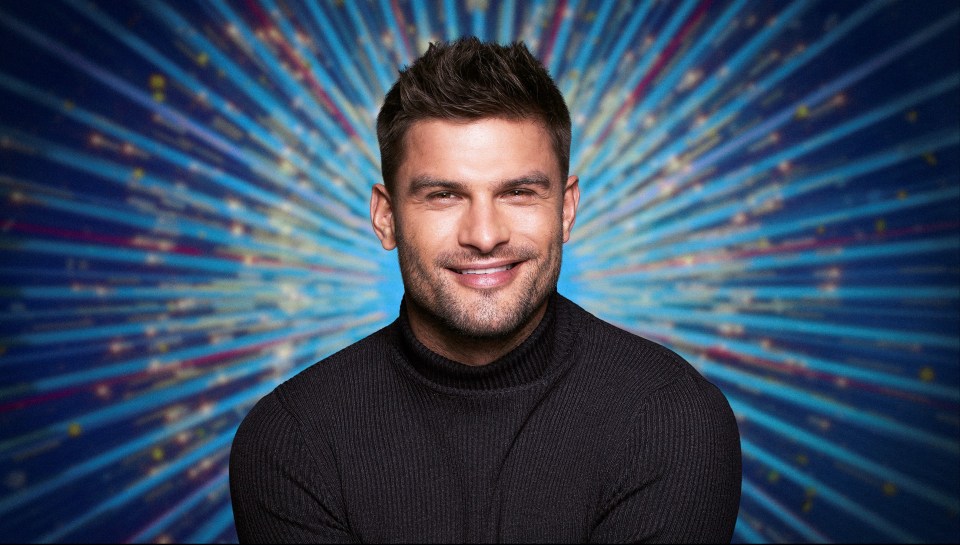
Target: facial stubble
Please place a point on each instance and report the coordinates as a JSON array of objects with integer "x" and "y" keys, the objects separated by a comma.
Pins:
[{"x": 489, "y": 316}]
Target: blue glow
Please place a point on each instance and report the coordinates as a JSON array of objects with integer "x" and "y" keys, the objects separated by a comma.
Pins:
[{"x": 771, "y": 189}]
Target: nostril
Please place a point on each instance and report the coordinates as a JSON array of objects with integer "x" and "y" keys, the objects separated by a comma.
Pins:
[{"x": 483, "y": 229}]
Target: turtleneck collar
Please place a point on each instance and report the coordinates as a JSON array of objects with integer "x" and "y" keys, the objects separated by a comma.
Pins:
[{"x": 529, "y": 361}]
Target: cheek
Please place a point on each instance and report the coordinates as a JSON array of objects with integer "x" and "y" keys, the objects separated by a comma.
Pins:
[
  {"x": 427, "y": 233},
  {"x": 541, "y": 225},
  {"x": 440, "y": 228}
]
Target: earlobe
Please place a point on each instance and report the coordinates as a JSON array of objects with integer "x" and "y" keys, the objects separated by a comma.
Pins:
[
  {"x": 571, "y": 200},
  {"x": 381, "y": 216}
]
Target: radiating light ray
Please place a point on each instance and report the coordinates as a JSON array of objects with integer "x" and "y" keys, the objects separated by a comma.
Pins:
[
  {"x": 361, "y": 87},
  {"x": 564, "y": 26},
  {"x": 218, "y": 444},
  {"x": 775, "y": 324},
  {"x": 744, "y": 533},
  {"x": 337, "y": 129},
  {"x": 735, "y": 180},
  {"x": 276, "y": 108},
  {"x": 370, "y": 51},
  {"x": 662, "y": 90},
  {"x": 422, "y": 27},
  {"x": 578, "y": 67},
  {"x": 801, "y": 398},
  {"x": 245, "y": 398},
  {"x": 450, "y": 20},
  {"x": 810, "y": 534},
  {"x": 213, "y": 527},
  {"x": 783, "y": 116},
  {"x": 219, "y": 482},
  {"x": 753, "y": 294},
  {"x": 191, "y": 82},
  {"x": 123, "y": 176},
  {"x": 505, "y": 28},
  {"x": 945, "y": 500},
  {"x": 829, "y": 494},
  {"x": 725, "y": 210},
  {"x": 769, "y": 189},
  {"x": 320, "y": 81},
  {"x": 733, "y": 65},
  {"x": 153, "y": 363},
  {"x": 736, "y": 65},
  {"x": 116, "y": 455},
  {"x": 655, "y": 56},
  {"x": 310, "y": 256},
  {"x": 802, "y": 364},
  {"x": 271, "y": 104},
  {"x": 720, "y": 266},
  {"x": 175, "y": 118},
  {"x": 603, "y": 80}
]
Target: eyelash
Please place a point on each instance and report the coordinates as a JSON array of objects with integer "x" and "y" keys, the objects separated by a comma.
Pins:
[
  {"x": 442, "y": 195},
  {"x": 447, "y": 195}
]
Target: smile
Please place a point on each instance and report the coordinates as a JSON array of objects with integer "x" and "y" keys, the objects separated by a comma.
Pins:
[{"x": 487, "y": 271}]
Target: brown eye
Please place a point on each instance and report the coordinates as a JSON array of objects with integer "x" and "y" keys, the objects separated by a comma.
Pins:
[{"x": 519, "y": 193}]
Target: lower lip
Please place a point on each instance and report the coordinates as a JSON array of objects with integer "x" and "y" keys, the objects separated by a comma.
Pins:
[{"x": 487, "y": 281}]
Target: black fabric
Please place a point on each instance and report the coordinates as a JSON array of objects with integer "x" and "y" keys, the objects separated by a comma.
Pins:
[{"x": 584, "y": 433}]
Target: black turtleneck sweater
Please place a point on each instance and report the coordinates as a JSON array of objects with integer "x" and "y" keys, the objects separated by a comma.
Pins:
[{"x": 583, "y": 433}]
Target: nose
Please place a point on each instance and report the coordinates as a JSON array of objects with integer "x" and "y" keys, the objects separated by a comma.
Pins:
[{"x": 483, "y": 227}]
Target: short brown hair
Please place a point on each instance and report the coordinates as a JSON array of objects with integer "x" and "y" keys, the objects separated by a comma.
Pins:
[{"x": 469, "y": 80}]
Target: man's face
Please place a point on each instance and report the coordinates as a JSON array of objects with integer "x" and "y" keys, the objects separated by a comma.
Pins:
[{"x": 479, "y": 215}]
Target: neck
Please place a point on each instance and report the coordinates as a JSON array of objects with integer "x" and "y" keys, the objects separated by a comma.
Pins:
[{"x": 466, "y": 349}]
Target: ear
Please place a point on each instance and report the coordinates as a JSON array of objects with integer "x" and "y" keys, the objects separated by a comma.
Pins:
[
  {"x": 381, "y": 216},
  {"x": 571, "y": 200}
]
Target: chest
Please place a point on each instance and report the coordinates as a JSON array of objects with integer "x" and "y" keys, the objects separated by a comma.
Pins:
[{"x": 515, "y": 470}]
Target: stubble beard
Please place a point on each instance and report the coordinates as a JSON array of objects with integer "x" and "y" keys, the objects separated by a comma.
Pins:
[{"x": 489, "y": 314}]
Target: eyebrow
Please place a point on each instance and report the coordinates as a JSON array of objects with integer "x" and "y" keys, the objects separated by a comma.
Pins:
[
  {"x": 424, "y": 182},
  {"x": 421, "y": 183}
]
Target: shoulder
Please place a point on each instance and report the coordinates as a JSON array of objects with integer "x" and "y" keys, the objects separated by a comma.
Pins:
[
  {"x": 323, "y": 387},
  {"x": 341, "y": 374},
  {"x": 637, "y": 374},
  {"x": 641, "y": 365},
  {"x": 669, "y": 437}
]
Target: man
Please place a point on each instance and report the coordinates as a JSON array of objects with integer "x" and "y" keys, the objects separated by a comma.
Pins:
[{"x": 493, "y": 409}]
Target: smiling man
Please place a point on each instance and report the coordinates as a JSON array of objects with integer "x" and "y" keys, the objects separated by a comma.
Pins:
[
  {"x": 493, "y": 409},
  {"x": 479, "y": 216}
]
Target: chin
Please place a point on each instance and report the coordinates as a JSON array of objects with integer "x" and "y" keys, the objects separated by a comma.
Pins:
[
  {"x": 489, "y": 318},
  {"x": 488, "y": 331}
]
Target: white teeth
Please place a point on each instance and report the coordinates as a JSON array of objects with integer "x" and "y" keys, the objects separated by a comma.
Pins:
[{"x": 487, "y": 271}]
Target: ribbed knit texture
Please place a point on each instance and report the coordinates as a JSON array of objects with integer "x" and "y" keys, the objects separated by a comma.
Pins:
[{"x": 583, "y": 433}]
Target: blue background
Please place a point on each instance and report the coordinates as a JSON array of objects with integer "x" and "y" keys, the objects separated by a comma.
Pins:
[{"x": 769, "y": 188}]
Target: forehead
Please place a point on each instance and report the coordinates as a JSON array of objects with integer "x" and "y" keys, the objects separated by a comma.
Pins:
[{"x": 482, "y": 150}]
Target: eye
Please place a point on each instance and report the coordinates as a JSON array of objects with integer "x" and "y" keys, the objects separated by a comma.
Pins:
[
  {"x": 519, "y": 193},
  {"x": 441, "y": 196}
]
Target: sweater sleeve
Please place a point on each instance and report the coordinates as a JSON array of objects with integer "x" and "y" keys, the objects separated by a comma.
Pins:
[
  {"x": 679, "y": 470},
  {"x": 276, "y": 482}
]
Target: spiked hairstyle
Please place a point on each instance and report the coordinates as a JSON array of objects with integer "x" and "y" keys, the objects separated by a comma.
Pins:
[{"x": 467, "y": 80}]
